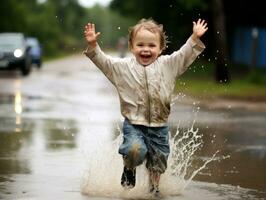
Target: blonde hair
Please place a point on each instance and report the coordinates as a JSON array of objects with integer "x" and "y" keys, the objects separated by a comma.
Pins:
[{"x": 150, "y": 25}]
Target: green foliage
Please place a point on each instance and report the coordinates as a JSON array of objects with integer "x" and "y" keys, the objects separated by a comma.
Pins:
[
  {"x": 175, "y": 15},
  {"x": 111, "y": 25},
  {"x": 192, "y": 4},
  {"x": 12, "y": 15},
  {"x": 57, "y": 24}
]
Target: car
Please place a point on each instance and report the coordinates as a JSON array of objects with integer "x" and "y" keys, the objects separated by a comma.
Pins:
[
  {"x": 14, "y": 52},
  {"x": 35, "y": 51}
]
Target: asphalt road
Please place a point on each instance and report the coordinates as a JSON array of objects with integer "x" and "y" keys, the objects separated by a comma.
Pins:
[{"x": 60, "y": 130}]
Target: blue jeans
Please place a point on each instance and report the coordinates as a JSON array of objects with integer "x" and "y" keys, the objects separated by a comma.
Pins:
[{"x": 152, "y": 144}]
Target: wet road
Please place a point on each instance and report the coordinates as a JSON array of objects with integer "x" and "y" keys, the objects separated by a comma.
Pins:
[{"x": 59, "y": 132}]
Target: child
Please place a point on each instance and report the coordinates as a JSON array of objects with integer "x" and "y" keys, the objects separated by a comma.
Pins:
[{"x": 144, "y": 84}]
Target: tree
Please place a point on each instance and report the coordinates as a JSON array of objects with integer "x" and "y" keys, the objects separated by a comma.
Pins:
[
  {"x": 108, "y": 21},
  {"x": 176, "y": 16},
  {"x": 57, "y": 24},
  {"x": 221, "y": 72},
  {"x": 10, "y": 12}
]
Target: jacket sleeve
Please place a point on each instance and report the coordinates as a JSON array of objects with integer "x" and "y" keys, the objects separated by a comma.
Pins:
[
  {"x": 104, "y": 62},
  {"x": 180, "y": 60}
]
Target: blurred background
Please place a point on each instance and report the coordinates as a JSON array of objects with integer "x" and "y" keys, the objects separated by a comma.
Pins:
[
  {"x": 60, "y": 107},
  {"x": 236, "y": 39}
]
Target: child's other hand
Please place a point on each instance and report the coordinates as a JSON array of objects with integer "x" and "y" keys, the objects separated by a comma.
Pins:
[
  {"x": 90, "y": 35},
  {"x": 199, "y": 28}
]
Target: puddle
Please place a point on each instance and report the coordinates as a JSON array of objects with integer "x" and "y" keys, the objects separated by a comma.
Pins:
[{"x": 60, "y": 123}]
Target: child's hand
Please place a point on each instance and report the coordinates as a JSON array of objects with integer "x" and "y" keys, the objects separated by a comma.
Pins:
[
  {"x": 199, "y": 28},
  {"x": 90, "y": 35}
]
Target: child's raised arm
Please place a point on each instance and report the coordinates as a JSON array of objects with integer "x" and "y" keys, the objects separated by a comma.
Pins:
[
  {"x": 180, "y": 60},
  {"x": 90, "y": 35},
  {"x": 199, "y": 28}
]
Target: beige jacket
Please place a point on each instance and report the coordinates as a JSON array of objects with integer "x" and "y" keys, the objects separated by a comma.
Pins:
[{"x": 145, "y": 92}]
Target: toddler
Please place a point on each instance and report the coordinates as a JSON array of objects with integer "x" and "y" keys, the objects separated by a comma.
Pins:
[{"x": 144, "y": 83}]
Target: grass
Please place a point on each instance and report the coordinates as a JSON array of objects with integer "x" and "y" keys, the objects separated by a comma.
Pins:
[
  {"x": 59, "y": 55},
  {"x": 245, "y": 84}
]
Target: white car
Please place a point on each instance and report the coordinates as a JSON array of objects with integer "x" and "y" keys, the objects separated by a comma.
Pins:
[{"x": 14, "y": 52}]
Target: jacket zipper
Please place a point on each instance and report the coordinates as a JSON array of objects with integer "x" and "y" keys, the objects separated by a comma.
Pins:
[{"x": 148, "y": 95}]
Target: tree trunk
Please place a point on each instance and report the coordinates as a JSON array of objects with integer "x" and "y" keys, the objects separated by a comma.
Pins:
[{"x": 221, "y": 55}]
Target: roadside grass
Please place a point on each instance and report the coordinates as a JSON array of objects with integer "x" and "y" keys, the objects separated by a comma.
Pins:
[
  {"x": 60, "y": 55},
  {"x": 245, "y": 84}
]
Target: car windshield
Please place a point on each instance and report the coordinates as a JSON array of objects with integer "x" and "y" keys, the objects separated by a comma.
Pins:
[{"x": 10, "y": 41}]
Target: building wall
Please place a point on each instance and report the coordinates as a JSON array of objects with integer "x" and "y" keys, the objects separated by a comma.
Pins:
[{"x": 249, "y": 47}]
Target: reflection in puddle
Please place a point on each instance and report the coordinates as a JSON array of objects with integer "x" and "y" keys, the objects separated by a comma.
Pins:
[
  {"x": 18, "y": 110},
  {"x": 246, "y": 165},
  {"x": 38, "y": 143},
  {"x": 16, "y": 146},
  {"x": 17, "y": 99},
  {"x": 18, "y": 103},
  {"x": 12, "y": 141},
  {"x": 60, "y": 135}
]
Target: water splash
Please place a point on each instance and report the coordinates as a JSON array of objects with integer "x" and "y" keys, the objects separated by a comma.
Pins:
[
  {"x": 105, "y": 166},
  {"x": 184, "y": 146}
]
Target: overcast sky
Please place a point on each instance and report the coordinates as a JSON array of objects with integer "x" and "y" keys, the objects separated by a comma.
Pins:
[{"x": 90, "y": 3}]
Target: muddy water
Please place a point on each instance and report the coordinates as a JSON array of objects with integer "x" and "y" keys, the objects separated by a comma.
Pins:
[{"x": 59, "y": 133}]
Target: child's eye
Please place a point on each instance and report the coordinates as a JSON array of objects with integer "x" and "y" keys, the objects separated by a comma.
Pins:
[
  {"x": 140, "y": 45},
  {"x": 152, "y": 45}
]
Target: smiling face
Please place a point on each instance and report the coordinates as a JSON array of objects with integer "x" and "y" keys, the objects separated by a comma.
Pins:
[{"x": 146, "y": 46}]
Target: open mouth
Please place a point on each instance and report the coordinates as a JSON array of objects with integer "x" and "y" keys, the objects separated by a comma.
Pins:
[
  {"x": 145, "y": 56},
  {"x": 145, "y": 59}
]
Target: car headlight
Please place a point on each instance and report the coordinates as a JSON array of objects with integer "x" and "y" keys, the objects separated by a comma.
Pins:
[{"x": 18, "y": 53}]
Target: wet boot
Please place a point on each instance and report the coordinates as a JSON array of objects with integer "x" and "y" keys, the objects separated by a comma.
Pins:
[
  {"x": 154, "y": 189},
  {"x": 154, "y": 184},
  {"x": 128, "y": 179}
]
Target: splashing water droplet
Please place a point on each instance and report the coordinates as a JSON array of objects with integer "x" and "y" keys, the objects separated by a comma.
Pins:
[{"x": 107, "y": 164}]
